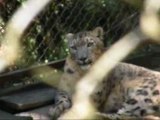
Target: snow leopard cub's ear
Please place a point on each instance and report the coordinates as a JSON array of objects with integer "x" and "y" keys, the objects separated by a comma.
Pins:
[
  {"x": 98, "y": 32},
  {"x": 69, "y": 36}
]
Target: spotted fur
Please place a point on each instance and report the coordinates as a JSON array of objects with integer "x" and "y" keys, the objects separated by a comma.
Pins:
[{"x": 129, "y": 90}]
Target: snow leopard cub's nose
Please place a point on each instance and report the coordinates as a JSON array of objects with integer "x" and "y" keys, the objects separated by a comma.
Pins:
[{"x": 83, "y": 59}]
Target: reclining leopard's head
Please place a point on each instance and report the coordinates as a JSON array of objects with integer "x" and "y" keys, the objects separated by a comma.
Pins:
[{"x": 85, "y": 47}]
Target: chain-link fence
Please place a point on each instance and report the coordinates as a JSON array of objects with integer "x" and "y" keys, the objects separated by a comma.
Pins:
[{"x": 44, "y": 40}]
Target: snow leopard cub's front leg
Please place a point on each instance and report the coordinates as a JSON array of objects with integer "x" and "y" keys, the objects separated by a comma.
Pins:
[{"x": 62, "y": 103}]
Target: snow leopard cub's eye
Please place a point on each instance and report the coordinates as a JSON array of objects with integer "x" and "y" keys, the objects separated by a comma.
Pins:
[
  {"x": 73, "y": 47},
  {"x": 90, "y": 44}
]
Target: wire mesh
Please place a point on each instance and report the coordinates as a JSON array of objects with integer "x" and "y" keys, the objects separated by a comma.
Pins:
[{"x": 44, "y": 39}]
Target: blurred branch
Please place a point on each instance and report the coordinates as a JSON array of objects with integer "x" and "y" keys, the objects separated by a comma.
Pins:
[
  {"x": 82, "y": 107},
  {"x": 15, "y": 28},
  {"x": 150, "y": 19}
]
